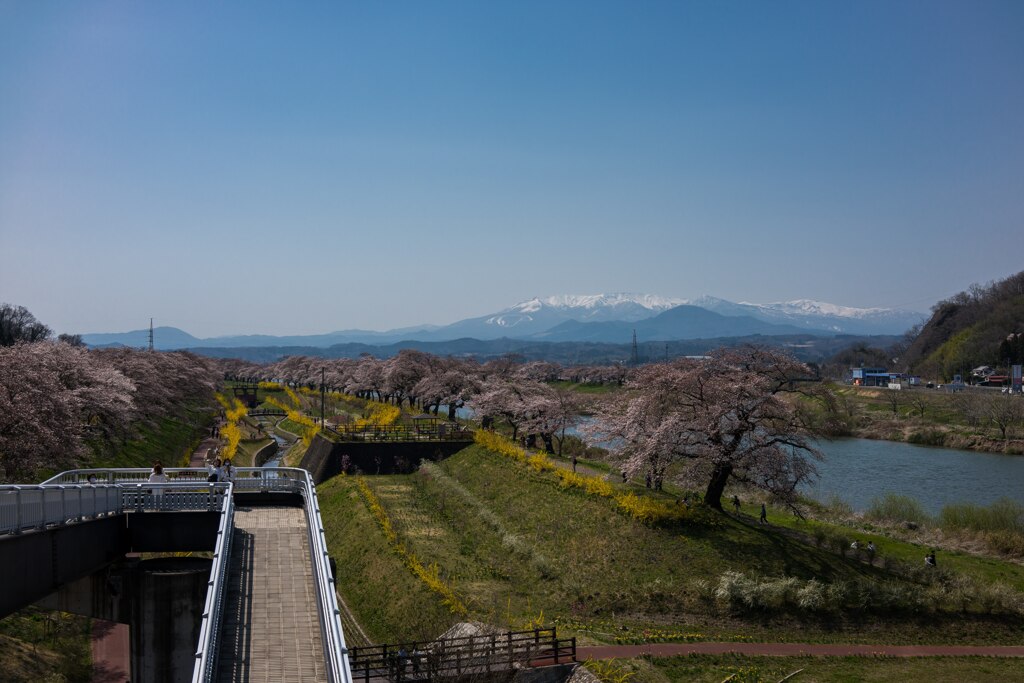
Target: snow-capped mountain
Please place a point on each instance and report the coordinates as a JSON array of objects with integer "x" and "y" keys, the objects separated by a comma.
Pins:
[
  {"x": 594, "y": 317},
  {"x": 818, "y": 315},
  {"x": 585, "y": 308}
]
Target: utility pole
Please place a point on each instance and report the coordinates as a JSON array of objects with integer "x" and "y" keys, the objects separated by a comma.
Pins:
[
  {"x": 323, "y": 390},
  {"x": 150, "y": 334}
]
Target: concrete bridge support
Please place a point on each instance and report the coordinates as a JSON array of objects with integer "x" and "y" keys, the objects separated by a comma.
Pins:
[{"x": 162, "y": 602}]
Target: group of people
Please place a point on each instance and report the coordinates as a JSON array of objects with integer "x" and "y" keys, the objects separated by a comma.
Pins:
[
  {"x": 870, "y": 547},
  {"x": 218, "y": 470}
]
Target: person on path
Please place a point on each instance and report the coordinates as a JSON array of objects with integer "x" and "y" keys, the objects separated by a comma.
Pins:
[
  {"x": 157, "y": 476},
  {"x": 764, "y": 514},
  {"x": 736, "y": 503},
  {"x": 228, "y": 472}
]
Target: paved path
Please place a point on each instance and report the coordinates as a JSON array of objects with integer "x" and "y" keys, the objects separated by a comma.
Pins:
[
  {"x": 111, "y": 654},
  {"x": 795, "y": 649},
  {"x": 271, "y": 630},
  {"x": 199, "y": 456}
]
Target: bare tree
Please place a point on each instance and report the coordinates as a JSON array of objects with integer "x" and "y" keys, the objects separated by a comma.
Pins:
[{"x": 17, "y": 324}]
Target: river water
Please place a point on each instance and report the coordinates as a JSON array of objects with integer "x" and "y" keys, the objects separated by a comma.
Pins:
[{"x": 858, "y": 470}]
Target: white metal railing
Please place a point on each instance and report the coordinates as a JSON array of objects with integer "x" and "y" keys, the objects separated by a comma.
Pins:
[
  {"x": 37, "y": 507},
  {"x": 213, "y": 609},
  {"x": 335, "y": 651},
  {"x": 188, "y": 490}
]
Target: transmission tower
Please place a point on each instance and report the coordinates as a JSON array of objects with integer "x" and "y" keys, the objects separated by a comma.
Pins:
[
  {"x": 636, "y": 353},
  {"x": 150, "y": 334}
]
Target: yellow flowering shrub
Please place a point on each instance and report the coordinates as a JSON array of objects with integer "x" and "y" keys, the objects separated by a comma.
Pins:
[
  {"x": 308, "y": 424},
  {"x": 270, "y": 386},
  {"x": 381, "y": 414},
  {"x": 234, "y": 411},
  {"x": 429, "y": 575},
  {"x": 641, "y": 508}
]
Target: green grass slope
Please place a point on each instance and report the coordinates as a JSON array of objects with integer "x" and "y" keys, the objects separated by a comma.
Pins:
[{"x": 519, "y": 550}]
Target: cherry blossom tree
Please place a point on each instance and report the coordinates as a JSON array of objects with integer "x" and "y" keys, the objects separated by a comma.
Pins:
[
  {"x": 52, "y": 397},
  {"x": 711, "y": 421},
  {"x": 451, "y": 383}
]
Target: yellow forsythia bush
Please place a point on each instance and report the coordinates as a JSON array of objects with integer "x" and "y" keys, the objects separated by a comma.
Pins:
[
  {"x": 309, "y": 425},
  {"x": 641, "y": 508},
  {"x": 429, "y": 575},
  {"x": 234, "y": 410},
  {"x": 381, "y": 414}
]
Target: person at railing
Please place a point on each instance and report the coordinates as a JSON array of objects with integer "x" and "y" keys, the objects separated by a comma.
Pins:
[
  {"x": 214, "y": 470},
  {"x": 157, "y": 476},
  {"x": 227, "y": 472}
]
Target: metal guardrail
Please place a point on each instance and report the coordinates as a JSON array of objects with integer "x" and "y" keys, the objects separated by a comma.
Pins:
[
  {"x": 400, "y": 432},
  {"x": 188, "y": 487},
  {"x": 23, "y": 508},
  {"x": 213, "y": 609},
  {"x": 332, "y": 634}
]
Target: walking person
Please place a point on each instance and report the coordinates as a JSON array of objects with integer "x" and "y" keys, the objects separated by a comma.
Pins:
[
  {"x": 764, "y": 514},
  {"x": 736, "y": 503}
]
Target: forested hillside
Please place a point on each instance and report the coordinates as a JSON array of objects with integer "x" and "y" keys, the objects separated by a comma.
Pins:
[{"x": 971, "y": 329}]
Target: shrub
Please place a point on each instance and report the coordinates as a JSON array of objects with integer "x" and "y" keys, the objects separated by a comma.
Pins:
[
  {"x": 927, "y": 437},
  {"x": 1004, "y": 515},
  {"x": 896, "y": 508}
]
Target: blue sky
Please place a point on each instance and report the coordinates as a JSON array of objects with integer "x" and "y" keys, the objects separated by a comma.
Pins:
[{"x": 257, "y": 167}]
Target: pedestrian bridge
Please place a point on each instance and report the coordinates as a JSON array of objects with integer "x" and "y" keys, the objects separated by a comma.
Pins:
[{"x": 270, "y": 611}]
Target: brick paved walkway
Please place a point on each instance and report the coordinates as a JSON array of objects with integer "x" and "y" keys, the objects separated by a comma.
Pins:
[{"x": 271, "y": 631}]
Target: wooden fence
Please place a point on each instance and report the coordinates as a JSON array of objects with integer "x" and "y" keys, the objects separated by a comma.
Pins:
[{"x": 420, "y": 662}]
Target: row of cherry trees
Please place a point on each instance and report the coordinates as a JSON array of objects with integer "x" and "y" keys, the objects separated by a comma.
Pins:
[
  {"x": 703, "y": 421},
  {"x": 519, "y": 393},
  {"x": 58, "y": 399}
]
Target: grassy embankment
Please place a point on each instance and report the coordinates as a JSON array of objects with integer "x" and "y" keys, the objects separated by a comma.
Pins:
[
  {"x": 38, "y": 645},
  {"x": 929, "y": 417},
  {"x": 517, "y": 549},
  {"x": 171, "y": 441},
  {"x": 740, "y": 669}
]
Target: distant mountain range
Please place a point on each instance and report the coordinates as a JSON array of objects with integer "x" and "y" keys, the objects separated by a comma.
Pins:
[{"x": 601, "y": 318}]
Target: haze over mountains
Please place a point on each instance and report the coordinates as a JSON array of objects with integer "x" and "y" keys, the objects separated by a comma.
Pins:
[{"x": 604, "y": 318}]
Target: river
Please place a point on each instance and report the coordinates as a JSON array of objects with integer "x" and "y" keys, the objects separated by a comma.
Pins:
[{"x": 858, "y": 470}]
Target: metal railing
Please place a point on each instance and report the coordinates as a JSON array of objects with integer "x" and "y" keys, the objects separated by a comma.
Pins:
[
  {"x": 400, "y": 432},
  {"x": 210, "y": 628},
  {"x": 37, "y": 507},
  {"x": 459, "y": 656},
  {"x": 187, "y": 489}
]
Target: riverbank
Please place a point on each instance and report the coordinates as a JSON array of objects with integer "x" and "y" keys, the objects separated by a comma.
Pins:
[
  {"x": 924, "y": 433},
  {"x": 979, "y": 420}
]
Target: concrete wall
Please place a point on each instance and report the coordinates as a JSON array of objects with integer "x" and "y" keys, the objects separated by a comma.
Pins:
[
  {"x": 324, "y": 458},
  {"x": 36, "y": 563}
]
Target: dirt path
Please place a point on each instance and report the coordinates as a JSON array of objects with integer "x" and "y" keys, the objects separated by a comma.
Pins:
[{"x": 796, "y": 649}]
